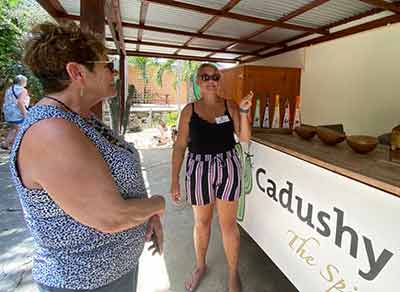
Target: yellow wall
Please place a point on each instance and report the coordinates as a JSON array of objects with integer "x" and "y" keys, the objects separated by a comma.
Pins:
[{"x": 353, "y": 80}]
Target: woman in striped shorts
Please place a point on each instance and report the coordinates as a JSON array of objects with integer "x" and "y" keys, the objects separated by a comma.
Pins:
[{"x": 212, "y": 179}]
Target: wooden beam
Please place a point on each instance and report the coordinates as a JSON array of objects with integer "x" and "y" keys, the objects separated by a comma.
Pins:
[
  {"x": 113, "y": 16},
  {"x": 384, "y": 5},
  {"x": 175, "y": 57},
  {"x": 287, "y": 17},
  {"x": 213, "y": 20},
  {"x": 54, "y": 8},
  {"x": 122, "y": 89},
  {"x": 181, "y": 32},
  {"x": 179, "y": 47},
  {"x": 144, "y": 6},
  {"x": 343, "y": 33},
  {"x": 118, "y": 18},
  {"x": 191, "y": 34},
  {"x": 246, "y": 18},
  {"x": 92, "y": 20}
]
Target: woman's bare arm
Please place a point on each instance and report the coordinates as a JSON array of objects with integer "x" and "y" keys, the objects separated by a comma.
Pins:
[
  {"x": 21, "y": 102},
  {"x": 179, "y": 149},
  {"x": 58, "y": 157}
]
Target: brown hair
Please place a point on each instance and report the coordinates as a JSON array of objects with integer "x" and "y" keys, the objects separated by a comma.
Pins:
[
  {"x": 205, "y": 65},
  {"x": 51, "y": 46}
]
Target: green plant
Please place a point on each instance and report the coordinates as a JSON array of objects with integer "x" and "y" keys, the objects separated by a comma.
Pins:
[
  {"x": 171, "y": 119},
  {"x": 16, "y": 19}
]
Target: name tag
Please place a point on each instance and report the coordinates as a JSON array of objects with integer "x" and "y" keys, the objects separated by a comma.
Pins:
[{"x": 222, "y": 119}]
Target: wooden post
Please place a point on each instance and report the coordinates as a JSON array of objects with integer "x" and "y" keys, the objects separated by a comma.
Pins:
[
  {"x": 123, "y": 86},
  {"x": 92, "y": 20}
]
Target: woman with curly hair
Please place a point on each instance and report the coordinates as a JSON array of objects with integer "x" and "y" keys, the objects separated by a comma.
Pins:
[{"x": 80, "y": 186}]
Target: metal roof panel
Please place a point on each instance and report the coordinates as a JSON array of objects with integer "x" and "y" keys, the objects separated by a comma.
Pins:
[
  {"x": 167, "y": 38},
  {"x": 216, "y": 4},
  {"x": 199, "y": 42},
  {"x": 175, "y": 18},
  {"x": 271, "y": 9},
  {"x": 186, "y": 52},
  {"x": 71, "y": 6},
  {"x": 130, "y": 10},
  {"x": 154, "y": 49},
  {"x": 276, "y": 34},
  {"x": 331, "y": 12},
  {"x": 233, "y": 28}
]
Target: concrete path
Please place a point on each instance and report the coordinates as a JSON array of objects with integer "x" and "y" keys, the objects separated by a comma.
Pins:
[{"x": 157, "y": 273}]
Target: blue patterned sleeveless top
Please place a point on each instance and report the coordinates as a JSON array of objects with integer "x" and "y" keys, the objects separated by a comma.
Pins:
[{"x": 69, "y": 254}]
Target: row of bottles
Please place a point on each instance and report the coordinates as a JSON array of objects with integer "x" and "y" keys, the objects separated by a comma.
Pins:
[{"x": 276, "y": 117}]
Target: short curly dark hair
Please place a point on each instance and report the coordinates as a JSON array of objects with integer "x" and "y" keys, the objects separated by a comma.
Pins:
[{"x": 51, "y": 46}]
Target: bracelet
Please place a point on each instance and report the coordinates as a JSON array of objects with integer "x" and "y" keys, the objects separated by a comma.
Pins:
[{"x": 242, "y": 110}]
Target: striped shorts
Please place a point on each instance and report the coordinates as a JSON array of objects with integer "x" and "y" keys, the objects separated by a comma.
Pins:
[{"x": 210, "y": 176}]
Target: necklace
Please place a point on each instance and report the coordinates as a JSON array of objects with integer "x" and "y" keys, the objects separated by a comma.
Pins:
[{"x": 62, "y": 103}]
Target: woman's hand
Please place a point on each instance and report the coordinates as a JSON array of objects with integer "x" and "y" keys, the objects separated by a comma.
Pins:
[
  {"x": 245, "y": 103},
  {"x": 175, "y": 192},
  {"x": 154, "y": 233}
]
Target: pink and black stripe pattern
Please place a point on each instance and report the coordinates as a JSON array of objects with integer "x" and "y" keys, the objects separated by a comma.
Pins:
[{"x": 210, "y": 176}]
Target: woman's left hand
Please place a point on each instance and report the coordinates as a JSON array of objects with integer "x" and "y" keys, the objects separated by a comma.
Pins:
[
  {"x": 246, "y": 101},
  {"x": 155, "y": 234}
]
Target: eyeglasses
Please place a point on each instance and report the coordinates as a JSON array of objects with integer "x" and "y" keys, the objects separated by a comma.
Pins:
[
  {"x": 206, "y": 77},
  {"x": 108, "y": 64}
]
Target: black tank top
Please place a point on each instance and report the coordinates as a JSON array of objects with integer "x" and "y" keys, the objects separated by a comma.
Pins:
[{"x": 210, "y": 138}]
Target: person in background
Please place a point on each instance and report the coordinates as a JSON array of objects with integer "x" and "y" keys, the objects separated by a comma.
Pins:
[
  {"x": 80, "y": 186},
  {"x": 15, "y": 108},
  {"x": 213, "y": 168}
]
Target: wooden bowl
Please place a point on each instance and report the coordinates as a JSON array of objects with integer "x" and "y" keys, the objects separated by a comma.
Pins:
[
  {"x": 305, "y": 131},
  {"x": 330, "y": 137},
  {"x": 362, "y": 144}
]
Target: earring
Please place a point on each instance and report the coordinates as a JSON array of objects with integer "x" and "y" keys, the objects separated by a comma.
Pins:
[{"x": 81, "y": 92}]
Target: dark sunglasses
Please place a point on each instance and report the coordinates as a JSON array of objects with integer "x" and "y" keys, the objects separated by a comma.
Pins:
[
  {"x": 108, "y": 64},
  {"x": 206, "y": 77}
]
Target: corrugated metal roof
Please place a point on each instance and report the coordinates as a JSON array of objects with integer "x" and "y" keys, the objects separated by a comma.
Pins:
[
  {"x": 130, "y": 47},
  {"x": 224, "y": 26},
  {"x": 193, "y": 53},
  {"x": 277, "y": 34},
  {"x": 211, "y": 44},
  {"x": 166, "y": 16},
  {"x": 216, "y": 4},
  {"x": 268, "y": 9},
  {"x": 71, "y": 6},
  {"x": 175, "y": 18},
  {"x": 244, "y": 47},
  {"x": 130, "y": 10},
  {"x": 331, "y": 12},
  {"x": 110, "y": 45},
  {"x": 130, "y": 33},
  {"x": 153, "y": 49},
  {"x": 159, "y": 37},
  {"x": 225, "y": 56}
]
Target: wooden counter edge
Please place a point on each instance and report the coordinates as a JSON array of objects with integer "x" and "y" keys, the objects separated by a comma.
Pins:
[{"x": 391, "y": 189}]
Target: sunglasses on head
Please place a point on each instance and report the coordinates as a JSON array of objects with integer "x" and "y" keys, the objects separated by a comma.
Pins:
[
  {"x": 206, "y": 77},
  {"x": 108, "y": 64}
]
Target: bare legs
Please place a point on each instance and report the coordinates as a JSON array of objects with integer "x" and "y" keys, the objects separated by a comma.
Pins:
[
  {"x": 231, "y": 239},
  {"x": 230, "y": 236},
  {"x": 201, "y": 236},
  {"x": 9, "y": 140}
]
